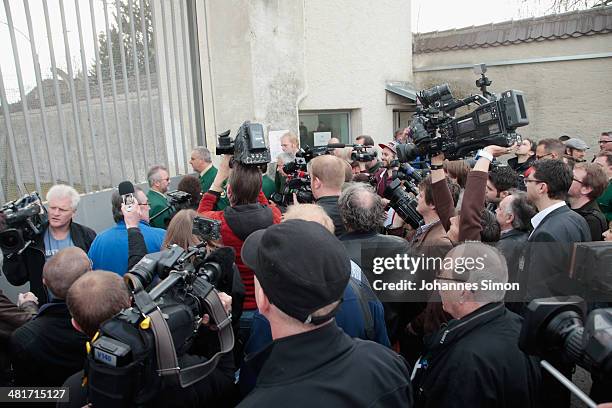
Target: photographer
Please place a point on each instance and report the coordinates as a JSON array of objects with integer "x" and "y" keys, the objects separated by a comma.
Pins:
[
  {"x": 60, "y": 232},
  {"x": 475, "y": 223},
  {"x": 249, "y": 211},
  {"x": 96, "y": 297},
  {"x": 384, "y": 175}
]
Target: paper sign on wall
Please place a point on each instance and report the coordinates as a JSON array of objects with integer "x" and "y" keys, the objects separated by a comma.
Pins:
[{"x": 321, "y": 138}]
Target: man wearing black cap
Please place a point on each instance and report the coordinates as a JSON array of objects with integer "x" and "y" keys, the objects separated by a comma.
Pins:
[{"x": 311, "y": 361}]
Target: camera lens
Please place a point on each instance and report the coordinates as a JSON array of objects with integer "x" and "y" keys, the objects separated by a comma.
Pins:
[{"x": 436, "y": 93}]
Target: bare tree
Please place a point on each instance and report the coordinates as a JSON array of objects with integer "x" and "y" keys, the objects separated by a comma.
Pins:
[{"x": 534, "y": 8}]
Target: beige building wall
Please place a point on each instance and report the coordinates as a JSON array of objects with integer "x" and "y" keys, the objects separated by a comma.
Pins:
[
  {"x": 563, "y": 97},
  {"x": 265, "y": 61}
]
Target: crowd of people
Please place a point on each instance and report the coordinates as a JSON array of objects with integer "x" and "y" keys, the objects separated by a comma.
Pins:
[{"x": 309, "y": 326}]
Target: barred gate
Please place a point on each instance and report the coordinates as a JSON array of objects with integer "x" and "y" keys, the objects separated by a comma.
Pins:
[{"x": 94, "y": 92}]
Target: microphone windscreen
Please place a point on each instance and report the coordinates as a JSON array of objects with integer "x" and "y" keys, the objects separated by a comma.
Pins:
[{"x": 126, "y": 187}]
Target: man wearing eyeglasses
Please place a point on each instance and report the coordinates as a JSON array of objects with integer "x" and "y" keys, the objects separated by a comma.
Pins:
[
  {"x": 544, "y": 266},
  {"x": 550, "y": 149},
  {"x": 475, "y": 361},
  {"x": 605, "y": 142},
  {"x": 159, "y": 180},
  {"x": 589, "y": 182}
]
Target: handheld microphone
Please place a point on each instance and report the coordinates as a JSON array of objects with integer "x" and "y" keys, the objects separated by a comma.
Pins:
[{"x": 126, "y": 190}]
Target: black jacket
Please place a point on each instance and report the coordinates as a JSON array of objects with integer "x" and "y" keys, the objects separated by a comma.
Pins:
[
  {"x": 522, "y": 167},
  {"x": 475, "y": 361},
  {"x": 547, "y": 254},
  {"x": 326, "y": 368},
  {"x": 46, "y": 350},
  {"x": 330, "y": 205},
  {"x": 595, "y": 219},
  {"x": 28, "y": 266}
]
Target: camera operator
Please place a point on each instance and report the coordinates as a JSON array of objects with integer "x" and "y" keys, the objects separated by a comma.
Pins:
[
  {"x": 159, "y": 180},
  {"x": 99, "y": 295},
  {"x": 371, "y": 167},
  {"x": 525, "y": 156},
  {"x": 475, "y": 360},
  {"x": 327, "y": 175},
  {"x": 589, "y": 182},
  {"x": 475, "y": 223},
  {"x": 384, "y": 175},
  {"x": 60, "y": 232},
  {"x": 191, "y": 185},
  {"x": 109, "y": 251},
  {"x": 280, "y": 177},
  {"x": 249, "y": 211}
]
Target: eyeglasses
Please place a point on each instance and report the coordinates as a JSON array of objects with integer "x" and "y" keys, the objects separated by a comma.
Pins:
[
  {"x": 143, "y": 204},
  {"x": 605, "y": 141},
  {"x": 526, "y": 181},
  {"x": 576, "y": 180},
  {"x": 543, "y": 156}
]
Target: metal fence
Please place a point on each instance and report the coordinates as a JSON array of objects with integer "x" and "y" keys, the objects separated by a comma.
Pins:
[{"x": 94, "y": 92}]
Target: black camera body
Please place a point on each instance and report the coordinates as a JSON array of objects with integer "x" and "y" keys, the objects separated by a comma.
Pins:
[
  {"x": 25, "y": 219},
  {"x": 206, "y": 228},
  {"x": 435, "y": 129},
  {"x": 401, "y": 200},
  {"x": 248, "y": 147},
  {"x": 363, "y": 153},
  {"x": 124, "y": 366},
  {"x": 554, "y": 329}
]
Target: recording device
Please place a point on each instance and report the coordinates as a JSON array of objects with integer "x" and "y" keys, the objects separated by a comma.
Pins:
[
  {"x": 435, "y": 129},
  {"x": 157, "y": 342},
  {"x": 177, "y": 200},
  {"x": 248, "y": 147},
  {"x": 554, "y": 329},
  {"x": 25, "y": 219},
  {"x": 126, "y": 191},
  {"x": 402, "y": 198},
  {"x": 360, "y": 153},
  {"x": 207, "y": 229},
  {"x": 406, "y": 172},
  {"x": 298, "y": 179}
]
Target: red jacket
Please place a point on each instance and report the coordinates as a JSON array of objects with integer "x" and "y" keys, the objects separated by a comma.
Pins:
[{"x": 237, "y": 223}]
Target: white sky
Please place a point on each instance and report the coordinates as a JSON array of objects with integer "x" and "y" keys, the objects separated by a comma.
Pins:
[{"x": 432, "y": 15}]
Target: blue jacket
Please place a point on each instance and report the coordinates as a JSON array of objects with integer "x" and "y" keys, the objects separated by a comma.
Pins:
[{"x": 109, "y": 251}]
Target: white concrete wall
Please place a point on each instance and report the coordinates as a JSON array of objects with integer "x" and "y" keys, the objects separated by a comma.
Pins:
[
  {"x": 263, "y": 60},
  {"x": 352, "y": 49},
  {"x": 565, "y": 97}
]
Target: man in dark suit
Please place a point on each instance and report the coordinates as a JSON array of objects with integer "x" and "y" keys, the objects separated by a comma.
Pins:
[{"x": 548, "y": 252}]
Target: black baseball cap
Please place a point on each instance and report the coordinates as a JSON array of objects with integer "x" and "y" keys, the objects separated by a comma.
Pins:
[{"x": 301, "y": 267}]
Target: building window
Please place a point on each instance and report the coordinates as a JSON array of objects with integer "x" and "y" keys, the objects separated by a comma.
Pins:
[
  {"x": 316, "y": 128},
  {"x": 401, "y": 119}
]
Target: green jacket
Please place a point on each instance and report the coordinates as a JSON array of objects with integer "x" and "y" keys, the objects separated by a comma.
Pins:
[
  {"x": 207, "y": 179},
  {"x": 268, "y": 186},
  {"x": 605, "y": 202},
  {"x": 157, "y": 202}
]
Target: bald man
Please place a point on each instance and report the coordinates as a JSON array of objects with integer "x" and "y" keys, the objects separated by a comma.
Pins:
[
  {"x": 327, "y": 174},
  {"x": 47, "y": 350}
]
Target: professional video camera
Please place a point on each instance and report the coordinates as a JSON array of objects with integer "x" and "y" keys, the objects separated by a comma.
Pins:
[
  {"x": 553, "y": 329},
  {"x": 402, "y": 198},
  {"x": 156, "y": 342},
  {"x": 436, "y": 130},
  {"x": 177, "y": 200},
  {"x": 25, "y": 219},
  {"x": 298, "y": 179},
  {"x": 248, "y": 147},
  {"x": 363, "y": 153}
]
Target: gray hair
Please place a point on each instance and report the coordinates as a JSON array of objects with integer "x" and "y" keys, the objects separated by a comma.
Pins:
[
  {"x": 489, "y": 265},
  {"x": 285, "y": 157},
  {"x": 63, "y": 191},
  {"x": 361, "y": 208},
  {"x": 204, "y": 153},
  {"x": 523, "y": 210},
  {"x": 153, "y": 174}
]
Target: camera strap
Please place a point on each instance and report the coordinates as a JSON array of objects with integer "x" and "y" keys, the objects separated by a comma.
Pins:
[{"x": 167, "y": 361}]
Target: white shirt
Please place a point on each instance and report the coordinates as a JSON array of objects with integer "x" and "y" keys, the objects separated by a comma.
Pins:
[{"x": 537, "y": 219}]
